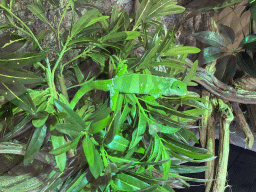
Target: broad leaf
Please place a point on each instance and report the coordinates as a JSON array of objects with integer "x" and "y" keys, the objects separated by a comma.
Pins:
[
  {"x": 209, "y": 54},
  {"x": 61, "y": 159},
  {"x": 249, "y": 42},
  {"x": 210, "y": 38},
  {"x": 245, "y": 61},
  {"x": 227, "y": 32},
  {"x": 226, "y": 68},
  {"x": 68, "y": 128}
]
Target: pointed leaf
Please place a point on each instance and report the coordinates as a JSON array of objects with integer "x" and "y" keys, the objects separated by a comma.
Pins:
[
  {"x": 179, "y": 49},
  {"x": 249, "y": 42},
  {"x": 209, "y": 54},
  {"x": 72, "y": 116},
  {"x": 89, "y": 149},
  {"x": 38, "y": 12},
  {"x": 97, "y": 167},
  {"x": 61, "y": 159},
  {"x": 35, "y": 144},
  {"x": 226, "y": 68},
  {"x": 119, "y": 143},
  {"x": 210, "y": 38},
  {"x": 64, "y": 148},
  {"x": 126, "y": 182},
  {"x": 68, "y": 128},
  {"x": 227, "y": 32},
  {"x": 245, "y": 61}
]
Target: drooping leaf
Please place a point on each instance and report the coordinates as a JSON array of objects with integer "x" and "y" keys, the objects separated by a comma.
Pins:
[
  {"x": 245, "y": 61},
  {"x": 35, "y": 144},
  {"x": 227, "y": 32},
  {"x": 61, "y": 159},
  {"x": 17, "y": 94},
  {"x": 10, "y": 76},
  {"x": 64, "y": 148},
  {"x": 142, "y": 12},
  {"x": 72, "y": 116},
  {"x": 210, "y": 38},
  {"x": 97, "y": 167},
  {"x": 39, "y": 12},
  {"x": 137, "y": 134},
  {"x": 126, "y": 182},
  {"x": 10, "y": 43},
  {"x": 249, "y": 42},
  {"x": 226, "y": 68},
  {"x": 209, "y": 54},
  {"x": 89, "y": 149}
]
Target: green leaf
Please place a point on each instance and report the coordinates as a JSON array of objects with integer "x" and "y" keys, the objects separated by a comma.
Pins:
[
  {"x": 245, "y": 61},
  {"x": 113, "y": 128},
  {"x": 210, "y": 38},
  {"x": 72, "y": 116},
  {"x": 119, "y": 143},
  {"x": 114, "y": 14},
  {"x": 10, "y": 44},
  {"x": 227, "y": 32},
  {"x": 64, "y": 148},
  {"x": 165, "y": 7},
  {"x": 68, "y": 128},
  {"x": 54, "y": 2},
  {"x": 180, "y": 49},
  {"x": 142, "y": 12},
  {"x": 39, "y": 12},
  {"x": 226, "y": 68},
  {"x": 187, "y": 169},
  {"x": 126, "y": 182},
  {"x": 40, "y": 36},
  {"x": 209, "y": 54},
  {"x": 120, "y": 36},
  {"x": 97, "y": 167},
  {"x": 89, "y": 149},
  {"x": 89, "y": 18},
  {"x": 35, "y": 144},
  {"x": 61, "y": 159},
  {"x": 137, "y": 134},
  {"x": 249, "y": 42},
  {"x": 97, "y": 126},
  {"x": 10, "y": 76},
  {"x": 17, "y": 94},
  {"x": 191, "y": 73}
]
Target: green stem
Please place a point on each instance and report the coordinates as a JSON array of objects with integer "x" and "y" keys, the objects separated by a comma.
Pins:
[{"x": 63, "y": 86}]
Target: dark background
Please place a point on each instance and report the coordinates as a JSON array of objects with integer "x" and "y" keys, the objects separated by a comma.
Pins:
[{"x": 241, "y": 171}]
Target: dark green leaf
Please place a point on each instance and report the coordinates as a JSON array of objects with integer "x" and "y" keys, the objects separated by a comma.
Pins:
[
  {"x": 10, "y": 76},
  {"x": 38, "y": 12},
  {"x": 68, "y": 128},
  {"x": 137, "y": 134},
  {"x": 246, "y": 63},
  {"x": 187, "y": 169},
  {"x": 191, "y": 73},
  {"x": 142, "y": 12},
  {"x": 40, "y": 36},
  {"x": 113, "y": 128},
  {"x": 10, "y": 44},
  {"x": 249, "y": 42},
  {"x": 210, "y": 38},
  {"x": 64, "y": 148},
  {"x": 126, "y": 182},
  {"x": 226, "y": 68},
  {"x": 209, "y": 54},
  {"x": 72, "y": 116},
  {"x": 227, "y": 32},
  {"x": 35, "y": 144}
]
